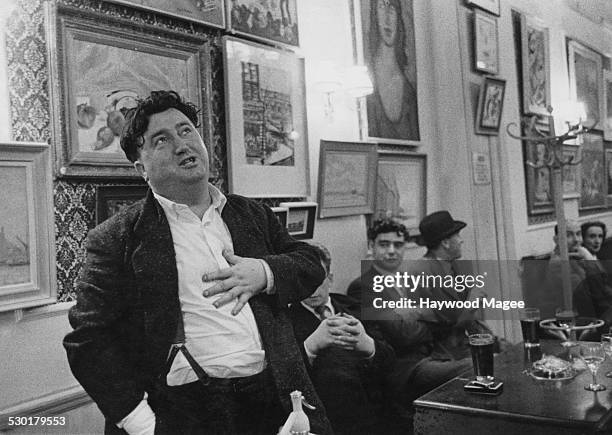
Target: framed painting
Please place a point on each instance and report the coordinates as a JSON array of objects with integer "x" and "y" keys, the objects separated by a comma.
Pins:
[
  {"x": 390, "y": 55},
  {"x": 607, "y": 124},
  {"x": 111, "y": 199},
  {"x": 538, "y": 179},
  {"x": 609, "y": 177},
  {"x": 536, "y": 66},
  {"x": 401, "y": 188},
  {"x": 266, "y": 121},
  {"x": 585, "y": 74},
  {"x": 27, "y": 242},
  {"x": 490, "y": 106},
  {"x": 347, "y": 177},
  {"x": 210, "y": 12},
  {"x": 269, "y": 21},
  {"x": 491, "y": 6},
  {"x": 98, "y": 68},
  {"x": 300, "y": 219},
  {"x": 281, "y": 214},
  {"x": 593, "y": 189},
  {"x": 571, "y": 173},
  {"x": 486, "y": 58}
]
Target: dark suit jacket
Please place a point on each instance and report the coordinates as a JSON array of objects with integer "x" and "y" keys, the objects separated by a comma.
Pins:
[
  {"x": 125, "y": 318},
  {"x": 349, "y": 386}
]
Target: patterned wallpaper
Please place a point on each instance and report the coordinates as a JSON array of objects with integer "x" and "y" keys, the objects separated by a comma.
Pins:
[{"x": 28, "y": 73}]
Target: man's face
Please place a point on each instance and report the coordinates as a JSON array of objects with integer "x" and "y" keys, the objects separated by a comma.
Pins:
[
  {"x": 593, "y": 238},
  {"x": 173, "y": 156},
  {"x": 388, "y": 250},
  {"x": 574, "y": 237},
  {"x": 453, "y": 246},
  {"x": 387, "y": 22},
  {"x": 321, "y": 294}
]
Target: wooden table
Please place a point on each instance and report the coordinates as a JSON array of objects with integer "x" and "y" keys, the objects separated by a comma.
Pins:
[{"x": 526, "y": 406}]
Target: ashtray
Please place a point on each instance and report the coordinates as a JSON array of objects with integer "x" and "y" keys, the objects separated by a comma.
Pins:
[{"x": 550, "y": 367}]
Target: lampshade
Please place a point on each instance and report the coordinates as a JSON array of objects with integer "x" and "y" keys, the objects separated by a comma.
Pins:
[
  {"x": 326, "y": 77},
  {"x": 572, "y": 112},
  {"x": 358, "y": 82}
]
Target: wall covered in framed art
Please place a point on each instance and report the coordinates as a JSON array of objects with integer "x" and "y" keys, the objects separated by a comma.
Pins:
[
  {"x": 392, "y": 109},
  {"x": 98, "y": 70},
  {"x": 401, "y": 188},
  {"x": 347, "y": 176},
  {"x": 27, "y": 242},
  {"x": 267, "y": 133}
]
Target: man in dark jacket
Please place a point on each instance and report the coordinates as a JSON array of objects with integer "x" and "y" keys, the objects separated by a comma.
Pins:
[
  {"x": 346, "y": 364},
  {"x": 189, "y": 266}
]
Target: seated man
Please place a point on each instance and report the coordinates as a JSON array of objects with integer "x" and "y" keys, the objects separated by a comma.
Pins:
[
  {"x": 345, "y": 363},
  {"x": 430, "y": 349},
  {"x": 592, "y": 290}
]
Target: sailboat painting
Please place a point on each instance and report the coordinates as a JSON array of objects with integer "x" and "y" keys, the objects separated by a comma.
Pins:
[{"x": 14, "y": 226}]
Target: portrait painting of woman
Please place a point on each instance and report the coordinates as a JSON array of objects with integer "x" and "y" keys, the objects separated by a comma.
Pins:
[{"x": 388, "y": 29}]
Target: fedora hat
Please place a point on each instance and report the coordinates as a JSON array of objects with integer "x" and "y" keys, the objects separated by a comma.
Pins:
[{"x": 438, "y": 226}]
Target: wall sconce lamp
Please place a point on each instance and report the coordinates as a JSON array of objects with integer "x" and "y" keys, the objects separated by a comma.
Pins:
[{"x": 355, "y": 82}]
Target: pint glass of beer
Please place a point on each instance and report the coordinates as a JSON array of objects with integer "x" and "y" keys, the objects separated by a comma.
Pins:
[
  {"x": 481, "y": 346},
  {"x": 530, "y": 319}
]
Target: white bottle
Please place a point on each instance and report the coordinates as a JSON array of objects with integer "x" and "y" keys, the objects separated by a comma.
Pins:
[{"x": 297, "y": 423}]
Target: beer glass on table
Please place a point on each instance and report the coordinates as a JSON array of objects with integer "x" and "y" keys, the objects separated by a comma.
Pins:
[
  {"x": 481, "y": 346},
  {"x": 530, "y": 319},
  {"x": 593, "y": 355}
]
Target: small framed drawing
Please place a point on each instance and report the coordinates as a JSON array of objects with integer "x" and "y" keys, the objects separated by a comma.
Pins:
[
  {"x": 571, "y": 173},
  {"x": 607, "y": 99},
  {"x": 536, "y": 66},
  {"x": 487, "y": 5},
  {"x": 401, "y": 188},
  {"x": 27, "y": 242},
  {"x": 347, "y": 177},
  {"x": 98, "y": 69},
  {"x": 593, "y": 190},
  {"x": 272, "y": 22},
  {"x": 300, "y": 218},
  {"x": 281, "y": 214},
  {"x": 490, "y": 106},
  {"x": 111, "y": 199},
  {"x": 609, "y": 177},
  {"x": 585, "y": 76},
  {"x": 486, "y": 58},
  {"x": 266, "y": 121},
  {"x": 209, "y": 12}
]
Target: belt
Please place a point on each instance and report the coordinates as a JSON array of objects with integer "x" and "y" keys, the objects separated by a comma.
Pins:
[{"x": 227, "y": 385}]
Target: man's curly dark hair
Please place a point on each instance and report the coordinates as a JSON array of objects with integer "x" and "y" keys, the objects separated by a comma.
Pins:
[
  {"x": 383, "y": 226},
  {"x": 137, "y": 119}
]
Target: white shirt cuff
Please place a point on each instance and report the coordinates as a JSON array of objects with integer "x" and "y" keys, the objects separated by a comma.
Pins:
[
  {"x": 269, "y": 277},
  {"x": 311, "y": 355},
  {"x": 141, "y": 421}
]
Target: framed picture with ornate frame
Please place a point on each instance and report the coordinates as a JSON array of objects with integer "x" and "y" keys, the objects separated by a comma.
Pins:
[
  {"x": 300, "y": 218},
  {"x": 486, "y": 46},
  {"x": 347, "y": 177},
  {"x": 27, "y": 241},
  {"x": 210, "y": 12},
  {"x": 538, "y": 180},
  {"x": 585, "y": 74},
  {"x": 593, "y": 190},
  {"x": 98, "y": 67},
  {"x": 273, "y": 22},
  {"x": 401, "y": 188},
  {"x": 111, "y": 199},
  {"x": 490, "y": 106},
  {"x": 266, "y": 121},
  {"x": 491, "y": 6},
  {"x": 607, "y": 99},
  {"x": 536, "y": 66},
  {"x": 571, "y": 173}
]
